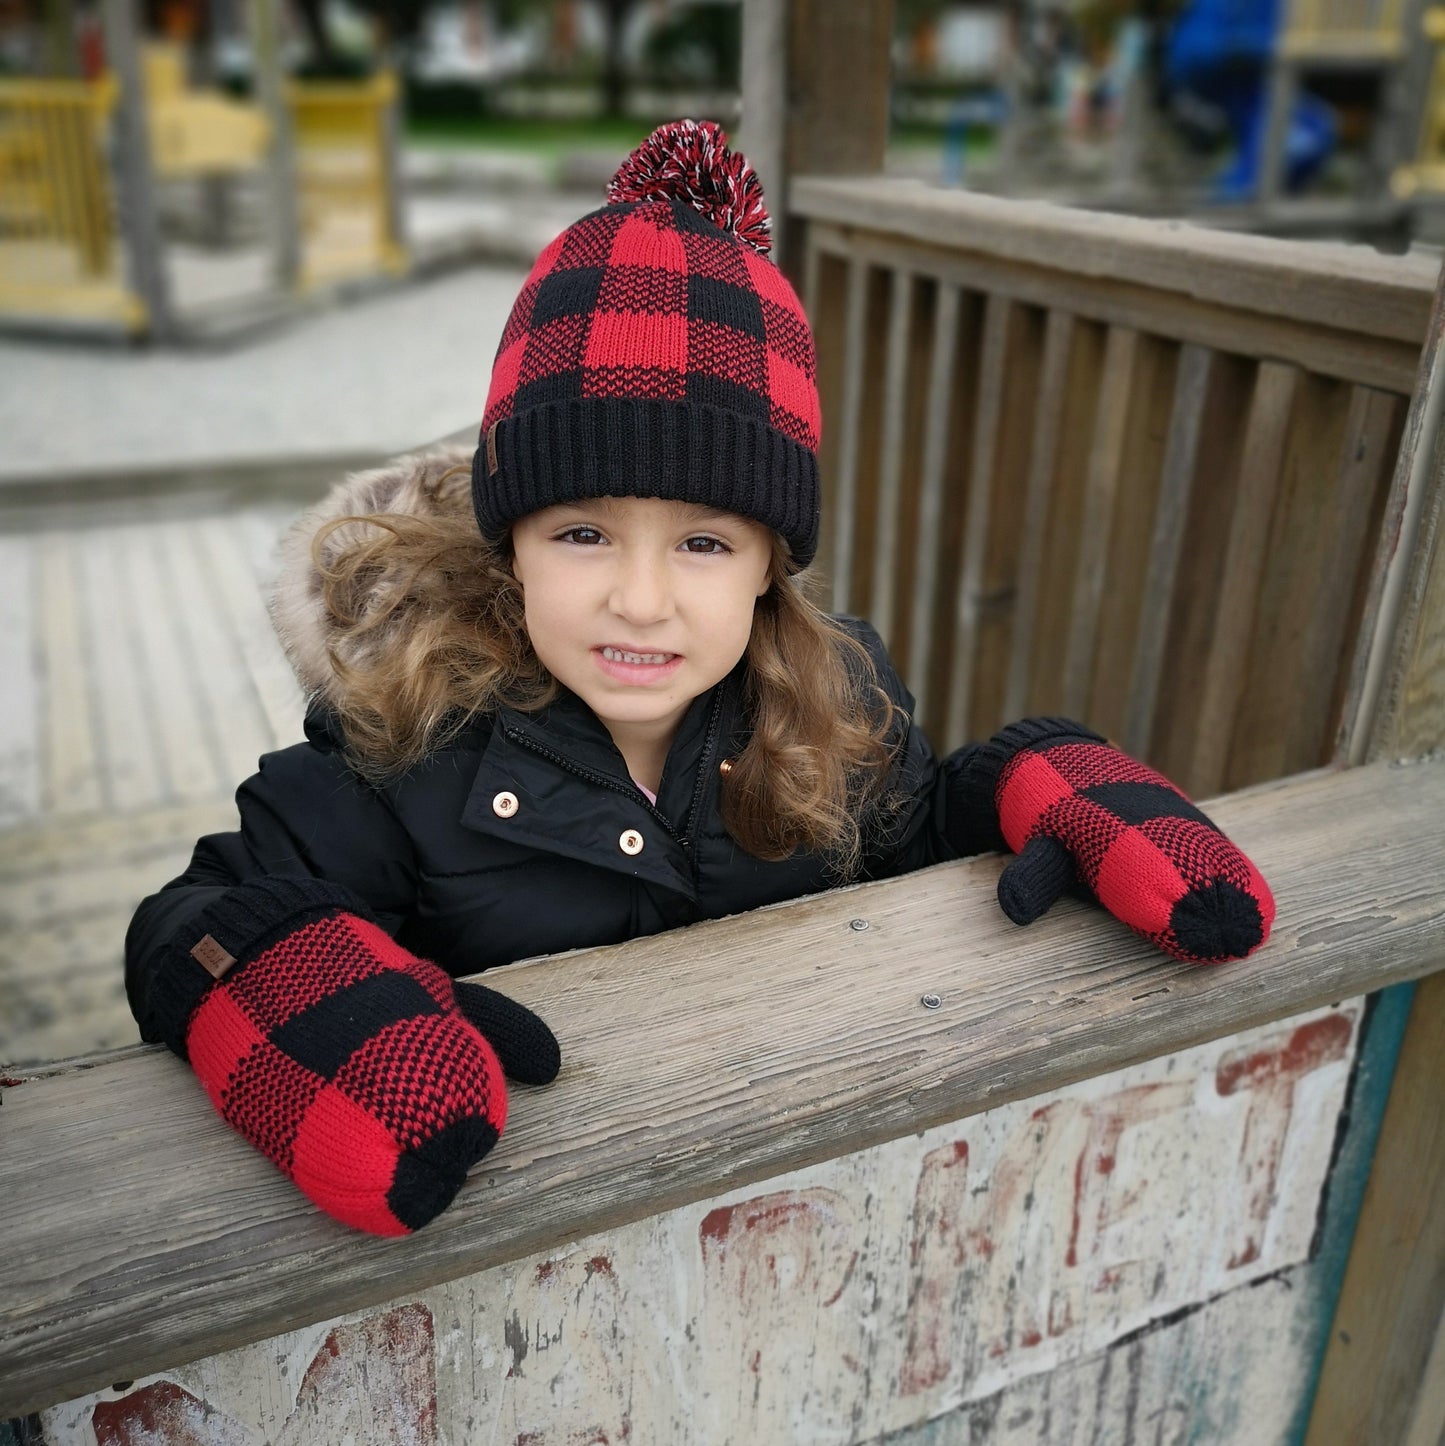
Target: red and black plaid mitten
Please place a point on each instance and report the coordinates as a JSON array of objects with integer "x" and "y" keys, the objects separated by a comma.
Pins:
[
  {"x": 1077, "y": 811},
  {"x": 369, "y": 1077}
]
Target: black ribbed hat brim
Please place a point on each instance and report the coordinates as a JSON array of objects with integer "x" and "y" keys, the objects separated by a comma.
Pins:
[{"x": 628, "y": 447}]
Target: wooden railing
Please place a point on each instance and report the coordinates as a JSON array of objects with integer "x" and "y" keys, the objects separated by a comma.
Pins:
[
  {"x": 140, "y": 1234},
  {"x": 1134, "y": 471}
]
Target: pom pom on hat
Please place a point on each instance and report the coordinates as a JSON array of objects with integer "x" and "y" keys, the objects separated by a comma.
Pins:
[{"x": 690, "y": 161}]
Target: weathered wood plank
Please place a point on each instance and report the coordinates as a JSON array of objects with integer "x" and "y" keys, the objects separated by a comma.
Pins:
[
  {"x": 1269, "y": 740},
  {"x": 899, "y": 580},
  {"x": 1195, "y": 603},
  {"x": 1171, "y": 510},
  {"x": 234, "y": 716},
  {"x": 1372, "y": 688},
  {"x": 1245, "y": 557},
  {"x": 845, "y": 484},
  {"x": 1352, "y": 288},
  {"x": 931, "y": 499},
  {"x": 1043, "y": 462},
  {"x": 275, "y": 683},
  {"x": 1394, "y": 1289},
  {"x": 1366, "y": 360},
  {"x": 827, "y": 311},
  {"x": 1411, "y": 719},
  {"x": 72, "y": 763},
  {"x": 141, "y": 1231},
  {"x": 20, "y": 702},
  {"x": 1100, "y": 486},
  {"x": 768, "y": 1302},
  {"x": 962, "y": 424},
  {"x": 124, "y": 704},
  {"x": 1361, "y": 487},
  {"x": 998, "y": 571},
  {"x": 887, "y": 529},
  {"x": 1064, "y": 519},
  {"x": 982, "y": 460},
  {"x": 1427, "y": 1419},
  {"x": 189, "y": 756}
]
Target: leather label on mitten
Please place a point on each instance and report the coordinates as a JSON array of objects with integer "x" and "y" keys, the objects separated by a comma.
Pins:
[{"x": 212, "y": 957}]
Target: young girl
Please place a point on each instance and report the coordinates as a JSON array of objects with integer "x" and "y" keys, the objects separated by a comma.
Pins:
[{"x": 570, "y": 691}]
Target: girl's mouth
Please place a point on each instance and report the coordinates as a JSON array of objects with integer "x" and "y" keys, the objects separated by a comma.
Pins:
[{"x": 628, "y": 667}]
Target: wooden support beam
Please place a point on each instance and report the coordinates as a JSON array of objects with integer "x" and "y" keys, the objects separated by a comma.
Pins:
[
  {"x": 1376, "y": 1383},
  {"x": 816, "y": 80},
  {"x": 139, "y": 215},
  {"x": 281, "y": 172},
  {"x": 141, "y": 1232}
]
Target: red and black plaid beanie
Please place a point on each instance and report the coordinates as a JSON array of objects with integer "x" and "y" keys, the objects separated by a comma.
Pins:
[{"x": 656, "y": 351}]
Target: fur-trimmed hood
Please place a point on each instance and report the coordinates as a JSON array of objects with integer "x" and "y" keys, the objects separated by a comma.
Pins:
[{"x": 306, "y": 628}]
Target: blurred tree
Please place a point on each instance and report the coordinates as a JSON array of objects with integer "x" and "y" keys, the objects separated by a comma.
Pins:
[
  {"x": 701, "y": 43},
  {"x": 398, "y": 22},
  {"x": 614, "y": 69}
]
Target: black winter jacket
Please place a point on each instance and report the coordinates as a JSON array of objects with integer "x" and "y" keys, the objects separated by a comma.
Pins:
[{"x": 520, "y": 837}]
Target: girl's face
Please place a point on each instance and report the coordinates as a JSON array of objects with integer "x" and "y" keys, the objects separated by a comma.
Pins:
[{"x": 639, "y": 605}]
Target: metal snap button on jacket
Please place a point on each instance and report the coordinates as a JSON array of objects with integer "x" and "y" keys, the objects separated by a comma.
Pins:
[
  {"x": 630, "y": 842},
  {"x": 504, "y": 805}
]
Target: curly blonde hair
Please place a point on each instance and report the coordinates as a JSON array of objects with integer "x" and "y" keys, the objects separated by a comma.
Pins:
[{"x": 818, "y": 753}]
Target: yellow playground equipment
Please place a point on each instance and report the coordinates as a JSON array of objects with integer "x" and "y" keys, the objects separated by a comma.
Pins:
[
  {"x": 59, "y": 254},
  {"x": 196, "y": 131},
  {"x": 68, "y": 173},
  {"x": 345, "y": 186},
  {"x": 1427, "y": 173}
]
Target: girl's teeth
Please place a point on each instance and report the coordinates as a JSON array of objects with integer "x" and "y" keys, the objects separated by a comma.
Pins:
[{"x": 614, "y": 655}]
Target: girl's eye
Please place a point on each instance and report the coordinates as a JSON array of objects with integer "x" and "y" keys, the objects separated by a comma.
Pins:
[
  {"x": 706, "y": 546},
  {"x": 585, "y": 536}
]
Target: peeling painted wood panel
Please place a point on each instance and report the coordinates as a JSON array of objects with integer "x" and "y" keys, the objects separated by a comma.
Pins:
[
  {"x": 1084, "y": 1256},
  {"x": 661, "y": 1102}
]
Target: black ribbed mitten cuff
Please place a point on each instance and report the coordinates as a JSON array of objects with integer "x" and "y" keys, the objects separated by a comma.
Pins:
[
  {"x": 244, "y": 922},
  {"x": 973, "y": 825}
]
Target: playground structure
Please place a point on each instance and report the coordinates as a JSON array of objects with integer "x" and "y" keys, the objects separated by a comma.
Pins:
[
  {"x": 797, "y": 1185},
  {"x": 1257, "y": 67},
  {"x": 875, "y": 1165},
  {"x": 82, "y": 164},
  {"x": 1427, "y": 173}
]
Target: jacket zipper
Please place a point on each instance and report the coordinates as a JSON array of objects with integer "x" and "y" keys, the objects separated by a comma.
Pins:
[
  {"x": 704, "y": 764},
  {"x": 600, "y": 779}
]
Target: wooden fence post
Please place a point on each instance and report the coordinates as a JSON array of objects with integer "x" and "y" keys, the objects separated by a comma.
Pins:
[
  {"x": 139, "y": 218},
  {"x": 285, "y": 230},
  {"x": 816, "y": 80},
  {"x": 1379, "y": 1381}
]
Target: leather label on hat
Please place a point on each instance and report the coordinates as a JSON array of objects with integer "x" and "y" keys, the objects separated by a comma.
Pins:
[
  {"x": 212, "y": 957},
  {"x": 492, "y": 449}
]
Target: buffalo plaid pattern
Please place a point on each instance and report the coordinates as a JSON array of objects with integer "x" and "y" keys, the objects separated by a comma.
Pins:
[
  {"x": 651, "y": 353},
  {"x": 1145, "y": 851},
  {"x": 340, "y": 1055}
]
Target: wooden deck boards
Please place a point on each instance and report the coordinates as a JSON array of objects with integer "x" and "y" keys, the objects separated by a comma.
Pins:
[{"x": 143, "y": 682}]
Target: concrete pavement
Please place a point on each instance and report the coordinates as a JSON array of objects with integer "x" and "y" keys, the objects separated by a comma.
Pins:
[{"x": 377, "y": 374}]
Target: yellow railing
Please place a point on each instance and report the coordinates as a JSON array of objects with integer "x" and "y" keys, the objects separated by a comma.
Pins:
[
  {"x": 344, "y": 188},
  {"x": 1345, "y": 30},
  {"x": 1428, "y": 171},
  {"x": 59, "y": 254}
]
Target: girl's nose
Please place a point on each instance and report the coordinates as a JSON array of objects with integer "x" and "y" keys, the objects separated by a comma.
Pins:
[{"x": 641, "y": 593}]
